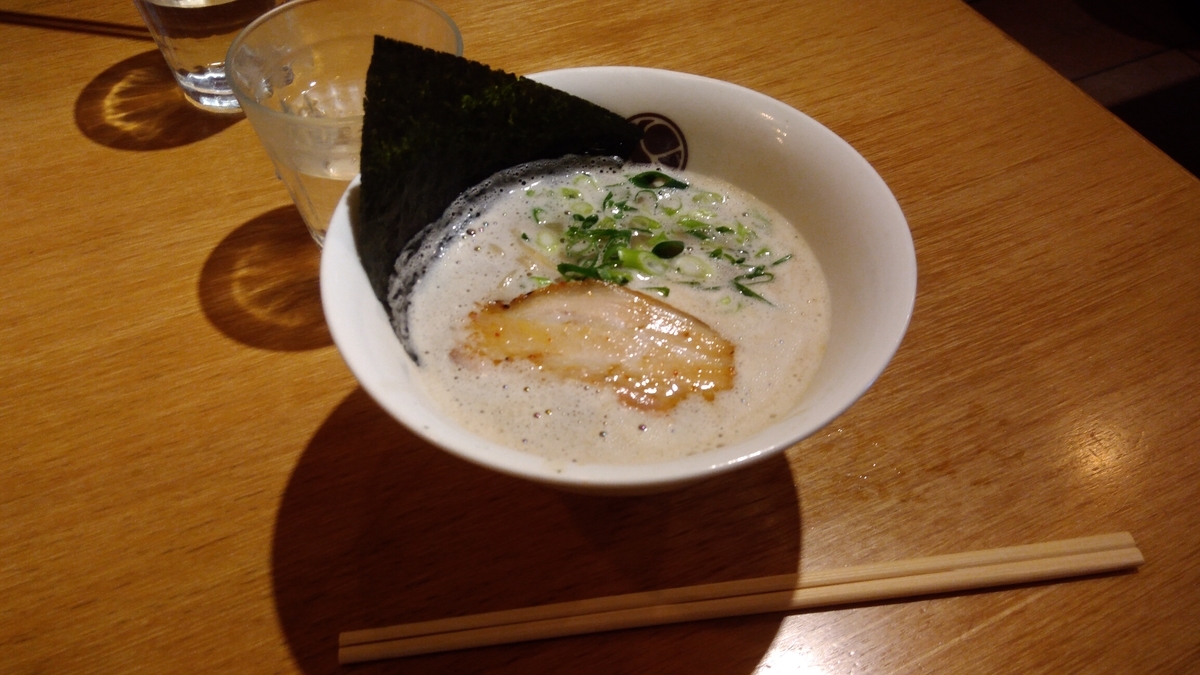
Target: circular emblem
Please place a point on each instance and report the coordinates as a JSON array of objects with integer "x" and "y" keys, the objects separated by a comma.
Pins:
[{"x": 662, "y": 141}]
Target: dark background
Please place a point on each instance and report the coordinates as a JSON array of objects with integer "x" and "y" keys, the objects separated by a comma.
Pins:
[{"x": 1138, "y": 58}]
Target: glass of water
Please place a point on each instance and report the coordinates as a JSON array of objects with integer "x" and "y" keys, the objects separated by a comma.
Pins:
[
  {"x": 193, "y": 36},
  {"x": 299, "y": 73}
]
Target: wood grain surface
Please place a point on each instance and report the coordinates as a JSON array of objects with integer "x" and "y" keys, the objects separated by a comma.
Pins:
[{"x": 192, "y": 482}]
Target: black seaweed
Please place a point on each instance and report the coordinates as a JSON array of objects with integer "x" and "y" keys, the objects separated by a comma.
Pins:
[{"x": 436, "y": 124}]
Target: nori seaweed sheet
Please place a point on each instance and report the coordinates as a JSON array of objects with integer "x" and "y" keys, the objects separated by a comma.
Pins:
[{"x": 436, "y": 124}]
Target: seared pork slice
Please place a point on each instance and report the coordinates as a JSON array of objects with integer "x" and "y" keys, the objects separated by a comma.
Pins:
[{"x": 651, "y": 354}]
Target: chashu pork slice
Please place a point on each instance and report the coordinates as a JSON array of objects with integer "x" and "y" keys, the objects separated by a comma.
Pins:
[{"x": 651, "y": 354}]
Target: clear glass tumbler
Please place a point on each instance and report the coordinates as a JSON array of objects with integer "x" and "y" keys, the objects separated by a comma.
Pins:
[
  {"x": 300, "y": 71},
  {"x": 193, "y": 36}
]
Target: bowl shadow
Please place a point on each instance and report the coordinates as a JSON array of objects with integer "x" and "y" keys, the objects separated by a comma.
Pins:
[
  {"x": 261, "y": 284},
  {"x": 137, "y": 105},
  {"x": 377, "y": 527}
]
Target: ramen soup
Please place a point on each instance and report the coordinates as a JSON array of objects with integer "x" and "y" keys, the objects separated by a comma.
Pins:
[{"x": 618, "y": 314}]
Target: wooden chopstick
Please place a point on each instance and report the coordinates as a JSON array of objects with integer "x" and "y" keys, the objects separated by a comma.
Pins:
[
  {"x": 864, "y": 583},
  {"x": 912, "y": 566}
]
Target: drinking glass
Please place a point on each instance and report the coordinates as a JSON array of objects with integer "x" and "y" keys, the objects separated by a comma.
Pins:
[
  {"x": 193, "y": 36},
  {"x": 299, "y": 73}
]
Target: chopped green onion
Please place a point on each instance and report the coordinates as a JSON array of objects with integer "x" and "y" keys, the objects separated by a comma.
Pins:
[
  {"x": 586, "y": 222},
  {"x": 645, "y": 198},
  {"x": 643, "y": 261},
  {"x": 668, "y": 249},
  {"x": 708, "y": 198},
  {"x": 756, "y": 279},
  {"x": 577, "y": 272},
  {"x": 656, "y": 179},
  {"x": 644, "y": 223},
  {"x": 639, "y": 228},
  {"x": 585, "y": 178},
  {"x": 617, "y": 209},
  {"x": 749, "y": 293},
  {"x": 693, "y": 266},
  {"x": 756, "y": 275},
  {"x": 547, "y": 238},
  {"x": 614, "y": 275}
]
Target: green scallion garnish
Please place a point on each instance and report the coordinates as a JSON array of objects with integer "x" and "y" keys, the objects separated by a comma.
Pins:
[{"x": 656, "y": 179}]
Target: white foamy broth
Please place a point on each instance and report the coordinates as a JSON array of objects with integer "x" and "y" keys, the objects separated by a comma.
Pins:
[{"x": 744, "y": 271}]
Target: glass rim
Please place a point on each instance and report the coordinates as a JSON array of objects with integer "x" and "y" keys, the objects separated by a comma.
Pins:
[{"x": 244, "y": 97}]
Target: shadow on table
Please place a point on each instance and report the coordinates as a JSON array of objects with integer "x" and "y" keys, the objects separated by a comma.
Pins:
[
  {"x": 377, "y": 527},
  {"x": 1168, "y": 118},
  {"x": 261, "y": 284},
  {"x": 136, "y": 105}
]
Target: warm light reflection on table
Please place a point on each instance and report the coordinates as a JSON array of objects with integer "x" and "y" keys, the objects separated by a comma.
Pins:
[{"x": 1102, "y": 445}]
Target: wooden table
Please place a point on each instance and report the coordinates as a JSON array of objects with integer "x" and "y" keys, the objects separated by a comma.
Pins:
[{"x": 192, "y": 482}]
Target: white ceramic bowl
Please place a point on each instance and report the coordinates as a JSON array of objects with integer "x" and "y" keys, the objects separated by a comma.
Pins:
[{"x": 806, "y": 172}]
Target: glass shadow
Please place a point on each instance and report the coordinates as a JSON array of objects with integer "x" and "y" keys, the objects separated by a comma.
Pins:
[
  {"x": 261, "y": 284},
  {"x": 377, "y": 527},
  {"x": 137, "y": 105}
]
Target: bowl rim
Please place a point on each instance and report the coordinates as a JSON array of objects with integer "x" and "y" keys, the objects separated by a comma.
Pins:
[{"x": 406, "y": 407}]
